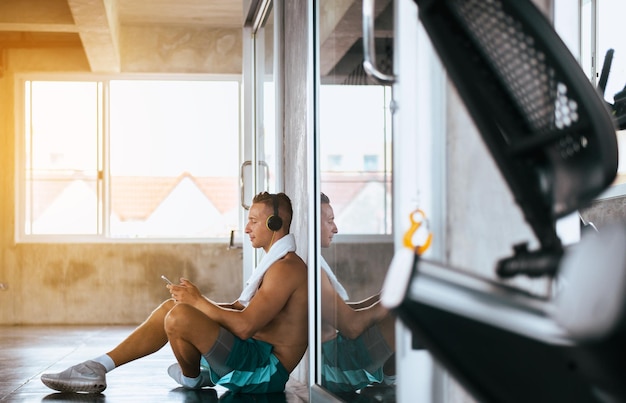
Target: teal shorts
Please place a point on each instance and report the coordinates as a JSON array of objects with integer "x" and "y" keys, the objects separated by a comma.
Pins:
[
  {"x": 246, "y": 366},
  {"x": 352, "y": 364}
]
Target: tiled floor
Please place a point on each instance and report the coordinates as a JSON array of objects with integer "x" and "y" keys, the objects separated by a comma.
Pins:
[{"x": 28, "y": 351}]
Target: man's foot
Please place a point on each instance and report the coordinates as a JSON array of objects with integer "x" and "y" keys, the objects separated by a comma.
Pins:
[
  {"x": 389, "y": 380},
  {"x": 177, "y": 374},
  {"x": 88, "y": 376}
]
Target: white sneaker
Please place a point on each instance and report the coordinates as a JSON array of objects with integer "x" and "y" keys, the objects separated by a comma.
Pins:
[
  {"x": 88, "y": 376},
  {"x": 176, "y": 374}
]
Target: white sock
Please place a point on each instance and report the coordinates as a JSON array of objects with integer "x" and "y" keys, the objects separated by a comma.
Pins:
[
  {"x": 190, "y": 382},
  {"x": 106, "y": 361}
]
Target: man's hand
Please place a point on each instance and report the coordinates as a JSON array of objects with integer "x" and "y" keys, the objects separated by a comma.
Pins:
[{"x": 185, "y": 292}]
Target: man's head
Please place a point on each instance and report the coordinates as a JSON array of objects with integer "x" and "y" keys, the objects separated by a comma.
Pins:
[
  {"x": 269, "y": 219},
  {"x": 328, "y": 228}
]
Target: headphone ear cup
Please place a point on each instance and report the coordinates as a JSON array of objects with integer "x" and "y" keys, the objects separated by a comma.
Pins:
[{"x": 274, "y": 222}]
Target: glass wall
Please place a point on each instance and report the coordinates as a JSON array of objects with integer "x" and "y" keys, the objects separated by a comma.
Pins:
[{"x": 355, "y": 168}]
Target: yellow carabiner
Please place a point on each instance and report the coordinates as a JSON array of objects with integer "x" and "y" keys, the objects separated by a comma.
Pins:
[{"x": 415, "y": 225}]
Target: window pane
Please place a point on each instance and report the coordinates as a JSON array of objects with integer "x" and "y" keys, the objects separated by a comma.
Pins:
[
  {"x": 354, "y": 119},
  {"x": 174, "y": 158},
  {"x": 610, "y": 36},
  {"x": 61, "y": 158}
]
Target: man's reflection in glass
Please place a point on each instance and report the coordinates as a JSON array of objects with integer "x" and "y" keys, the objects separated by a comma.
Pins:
[{"x": 357, "y": 337}]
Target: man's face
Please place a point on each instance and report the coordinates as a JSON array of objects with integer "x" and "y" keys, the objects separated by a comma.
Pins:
[
  {"x": 260, "y": 235},
  {"x": 327, "y": 227}
]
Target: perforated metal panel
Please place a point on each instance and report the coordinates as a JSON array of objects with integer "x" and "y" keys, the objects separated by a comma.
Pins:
[
  {"x": 520, "y": 65},
  {"x": 525, "y": 70}
]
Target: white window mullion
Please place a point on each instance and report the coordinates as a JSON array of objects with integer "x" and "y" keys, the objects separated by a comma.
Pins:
[
  {"x": 103, "y": 160},
  {"x": 23, "y": 164}
]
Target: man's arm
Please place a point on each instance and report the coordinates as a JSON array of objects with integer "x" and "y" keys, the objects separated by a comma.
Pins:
[
  {"x": 364, "y": 303},
  {"x": 236, "y": 305},
  {"x": 349, "y": 321}
]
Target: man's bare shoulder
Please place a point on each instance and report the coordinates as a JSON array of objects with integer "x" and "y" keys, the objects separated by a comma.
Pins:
[
  {"x": 290, "y": 261},
  {"x": 289, "y": 266}
]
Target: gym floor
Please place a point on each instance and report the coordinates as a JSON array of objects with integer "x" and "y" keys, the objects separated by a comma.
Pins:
[{"x": 28, "y": 351}]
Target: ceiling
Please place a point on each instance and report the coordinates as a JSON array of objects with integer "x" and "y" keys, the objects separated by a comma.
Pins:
[
  {"x": 96, "y": 24},
  {"x": 341, "y": 46},
  {"x": 96, "y": 27}
]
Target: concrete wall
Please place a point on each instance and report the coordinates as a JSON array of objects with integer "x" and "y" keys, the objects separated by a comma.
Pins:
[
  {"x": 603, "y": 212},
  {"x": 296, "y": 91},
  {"x": 296, "y": 96}
]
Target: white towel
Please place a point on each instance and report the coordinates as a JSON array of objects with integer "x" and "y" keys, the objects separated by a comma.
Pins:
[
  {"x": 280, "y": 248},
  {"x": 333, "y": 279}
]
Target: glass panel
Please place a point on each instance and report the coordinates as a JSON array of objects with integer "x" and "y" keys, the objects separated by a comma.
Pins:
[
  {"x": 610, "y": 36},
  {"x": 358, "y": 340},
  {"x": 173, "y": 165},
  {"x": 61, "y": 158}
]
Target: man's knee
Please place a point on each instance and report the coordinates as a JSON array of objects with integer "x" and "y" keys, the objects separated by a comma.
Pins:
[
  {"x": 178, "y": 317},
  {"x": 167, "y": 305},
  {"x": 164, "y": 307}
]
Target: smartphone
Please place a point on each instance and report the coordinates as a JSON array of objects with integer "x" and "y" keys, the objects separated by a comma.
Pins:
[{"x": 167, "y": 280}]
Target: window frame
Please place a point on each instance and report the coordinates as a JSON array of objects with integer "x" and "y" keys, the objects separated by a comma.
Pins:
[{"x": 104, "y": 191}]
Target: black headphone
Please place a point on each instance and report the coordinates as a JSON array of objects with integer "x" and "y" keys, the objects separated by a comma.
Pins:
[{"x": 274, "y": 222}]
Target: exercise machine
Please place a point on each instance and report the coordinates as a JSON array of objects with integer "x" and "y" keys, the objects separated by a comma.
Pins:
[{"x": 553, "y": 138}]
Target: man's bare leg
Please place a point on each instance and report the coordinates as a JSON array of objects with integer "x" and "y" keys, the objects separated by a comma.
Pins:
[
  {"x": 388, "y": 329},
  {"x": 90, "y": 376},
  {"x": 146, "y": 339},
  {"x": 191, "y": 334}
]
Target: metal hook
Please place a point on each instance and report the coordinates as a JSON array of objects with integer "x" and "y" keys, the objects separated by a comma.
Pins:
[{"x": 417, "y": 217}]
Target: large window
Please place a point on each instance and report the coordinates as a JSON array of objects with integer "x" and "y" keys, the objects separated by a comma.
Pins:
[{"x": 129, "y": 159}]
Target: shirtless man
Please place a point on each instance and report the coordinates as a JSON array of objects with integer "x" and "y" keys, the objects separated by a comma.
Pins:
[
  {"x": 264, "y": 331},
  {"x": 358, "y": 338}
]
